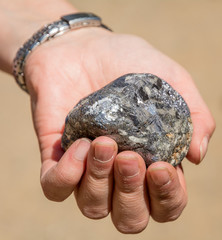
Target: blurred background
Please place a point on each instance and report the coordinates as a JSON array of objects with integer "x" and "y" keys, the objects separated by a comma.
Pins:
[{"x": 189, "y": 32}]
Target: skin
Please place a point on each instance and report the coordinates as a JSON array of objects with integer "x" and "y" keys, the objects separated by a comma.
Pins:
[{"x": 61, "y": 72}]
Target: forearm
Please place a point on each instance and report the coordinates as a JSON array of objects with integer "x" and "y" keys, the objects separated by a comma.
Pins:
[{"x": 19, "y": 19}]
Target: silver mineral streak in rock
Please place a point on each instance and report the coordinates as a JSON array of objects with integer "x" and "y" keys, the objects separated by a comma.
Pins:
[{"x": 141, "y": 112}]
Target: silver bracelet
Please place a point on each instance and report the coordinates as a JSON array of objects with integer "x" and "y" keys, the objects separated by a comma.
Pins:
[{"x": 48, "y": 32}]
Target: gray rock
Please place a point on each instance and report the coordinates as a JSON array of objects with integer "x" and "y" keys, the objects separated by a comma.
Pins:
[{"x": 141, "y": 112}]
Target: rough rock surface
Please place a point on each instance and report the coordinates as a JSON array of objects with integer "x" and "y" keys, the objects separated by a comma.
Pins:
[{"x": 141, "y": 112}]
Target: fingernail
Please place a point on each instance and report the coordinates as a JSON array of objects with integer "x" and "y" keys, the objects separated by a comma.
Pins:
[
  {"x": 104, "y": 152},
  {"x": 160, "y": 176},
  {"x": 128, "y": 166},
  {"x": 203, "y": 148},
  {"x": 82, "y": 148}
]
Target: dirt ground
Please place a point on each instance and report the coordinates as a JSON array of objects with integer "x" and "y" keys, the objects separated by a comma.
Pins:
[{"x": 186, "y": 30}]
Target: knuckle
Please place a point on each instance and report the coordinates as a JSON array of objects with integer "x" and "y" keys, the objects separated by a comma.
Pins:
[
  {"x": 50, "y": 194},
  {"x": 132, "y": 192},
  {"x": 63, "y": 178},
  {"x": 99, "y": 173},
  {"x": 175, "y": 211},
  {"x": 97, "y": 186},
  {"x": 130, "y": 184},
  {"x": 163, "y": 196},
  {"x": 169, "y": 210},
  {"x": 51, "y": 191},
  {"x": 173, "y": 204}
]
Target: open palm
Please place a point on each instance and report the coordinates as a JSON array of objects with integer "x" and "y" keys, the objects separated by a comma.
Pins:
[{"x": 64, "y": 70}]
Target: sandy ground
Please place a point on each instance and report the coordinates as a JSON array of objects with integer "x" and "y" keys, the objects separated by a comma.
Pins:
[{"x": 188, "y": 31}]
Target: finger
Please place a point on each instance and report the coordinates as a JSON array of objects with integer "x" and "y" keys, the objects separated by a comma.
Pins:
[
  {"x": 202, "y": 120},
  {"x": 95, "y": 191},
  {"x": 203, "y": 128},
  {"x": 167, "y": 191},
  {"x": 58, "y": 179},
  {"x": 130, "y": 213}
]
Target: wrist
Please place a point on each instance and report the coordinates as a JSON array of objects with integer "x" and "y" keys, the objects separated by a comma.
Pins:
[
  {"x": 63, "y": 56},
  {"x": 21, "y": 20}
]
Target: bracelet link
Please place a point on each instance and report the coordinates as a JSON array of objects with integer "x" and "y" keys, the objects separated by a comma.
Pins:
[{"x": 48, "y": 32}]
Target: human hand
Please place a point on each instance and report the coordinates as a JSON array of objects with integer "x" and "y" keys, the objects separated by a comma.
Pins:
[{"x": 64, "y": 70}]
